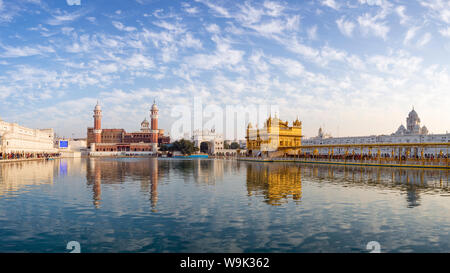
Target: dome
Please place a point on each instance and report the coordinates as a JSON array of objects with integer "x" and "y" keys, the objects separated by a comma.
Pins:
[
  {"x": 297, "y": 123},
  {"x": 154, "y": 106},
  {"x": 424, "y": 130},
  {"x": 98, "y": 107},
  {"x": 145, "y": 122},
  {"x": 401, "y": 130},
  {"x": 413, "y": 114}
]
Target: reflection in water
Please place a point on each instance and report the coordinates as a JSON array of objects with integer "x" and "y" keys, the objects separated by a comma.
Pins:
[
  {"x": 108, "y": 171},
  {"x": 277, "y": 182},
  {"x": 154, "y": 184},
  {"x": 280, "y": 181},
  {"x": 18, "y": 175},
  {"x": 172, "y": 205},
  {"x": 413, "y": 181}
]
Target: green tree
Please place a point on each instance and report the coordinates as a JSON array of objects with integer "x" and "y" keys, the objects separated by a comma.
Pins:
[
  {"x": 234, "y": 146},
  {"x": 164, "y": 148},
  {"x": 184, "y": 146}
]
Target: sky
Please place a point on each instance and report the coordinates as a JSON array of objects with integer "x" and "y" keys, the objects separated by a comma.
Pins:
[{"x": 354, "y": 68}]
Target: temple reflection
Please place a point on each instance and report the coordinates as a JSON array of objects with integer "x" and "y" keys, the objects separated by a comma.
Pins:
[
  {"x": 276, "y": 182},
  {"x": 112, "y": 171}
]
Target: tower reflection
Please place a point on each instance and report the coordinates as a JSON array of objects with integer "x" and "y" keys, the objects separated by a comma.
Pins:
[
  {"x": 154, "y": 183},
  {"x": 276, "y": 182},
  {"x": 105, "y": 172}
]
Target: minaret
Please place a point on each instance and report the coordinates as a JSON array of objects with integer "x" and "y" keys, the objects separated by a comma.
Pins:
[
  {"x": 154, "y": 125},
  {"x": 97, "y": 124}
]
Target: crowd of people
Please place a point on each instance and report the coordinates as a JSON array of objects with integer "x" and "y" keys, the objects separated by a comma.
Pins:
[
  {"x": 371, "y": 157},
  {"x": 12, "y": 156}
]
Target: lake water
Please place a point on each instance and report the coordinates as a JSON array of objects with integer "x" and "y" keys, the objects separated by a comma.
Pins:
[{"x": 171, "y": 205}]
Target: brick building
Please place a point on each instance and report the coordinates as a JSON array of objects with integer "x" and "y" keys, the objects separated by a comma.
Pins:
[{"x": 118, "y": 140}]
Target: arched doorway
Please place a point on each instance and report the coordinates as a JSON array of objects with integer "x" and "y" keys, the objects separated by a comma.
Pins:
[{"x": 204, "y": 147}]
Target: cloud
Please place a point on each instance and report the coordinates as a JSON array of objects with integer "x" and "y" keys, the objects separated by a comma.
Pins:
[
  {"x": 73, "y": 2},
  {"x": 139, "y": 61},
  {"x": 218, "y": 10},
  {"x": 25, "y": 51},
  {"x": 410, "y": 34},
  {"x": 224, "y": 56},
  {"x": 291, "y": 67},
  {"x": 400, "y": 64},
  {"x": 426, "y": 38},
  {"x": 345, "y": 27},
  {"x": 438, "y": 9},
  {"x": 213, "y": 28},
  {"x": 274, "y": 9},
  {"x": 312, "y": 32},
  {"x": 400, "y": 10},
  {"x": 445, "y": 32},
  {"x": 369, "y": 24},
  {"x": 66, "y": 17},
  {"x": 121, "y": 27},
  {"x": 331, "y": 4},
  {"x": 189, "y": 41}
]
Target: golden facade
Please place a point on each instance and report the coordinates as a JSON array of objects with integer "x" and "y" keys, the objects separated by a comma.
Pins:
[{"x": 275, "y": 135}]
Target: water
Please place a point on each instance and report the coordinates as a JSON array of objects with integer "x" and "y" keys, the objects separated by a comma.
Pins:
[{"x": 176, "y": 205}]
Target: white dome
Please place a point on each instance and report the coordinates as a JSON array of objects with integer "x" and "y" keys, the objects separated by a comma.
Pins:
[
  {"x": 98, "y": 107},
  {"x": 154, "y": 106}
]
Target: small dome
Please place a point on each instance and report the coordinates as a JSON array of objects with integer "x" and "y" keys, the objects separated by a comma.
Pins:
[
  {"x": 297, "y": 123},
  {"x": 424, "y": 130},
  {"x": 154, "y": 106},
  {"x": 401, "y": 130},
  {"x": 145, "y": 122}
]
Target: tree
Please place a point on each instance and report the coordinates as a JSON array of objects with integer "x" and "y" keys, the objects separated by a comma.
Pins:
[
  {"x": 234, "y": 146},
  {"x": 184, "y": 146},
  {"x": 164, "y": 148}
]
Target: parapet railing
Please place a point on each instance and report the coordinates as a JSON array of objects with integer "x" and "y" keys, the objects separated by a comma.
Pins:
[{"x": 432, "y": 162}]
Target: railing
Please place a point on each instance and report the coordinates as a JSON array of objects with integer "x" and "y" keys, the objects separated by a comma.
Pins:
[{"x": 425, "y": 162}]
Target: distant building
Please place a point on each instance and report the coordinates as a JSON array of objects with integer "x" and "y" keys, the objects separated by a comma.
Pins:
[
  {"x": 412, "y": 126},
  {"x": 274, "y": 135},
  {"x": 208, "y": 141},
  {"x": 19, "y": 139},
  {"x": 413, "y": 133},
  {"x": 107, "y": 141},
  {"x": 71, "y": 147}
]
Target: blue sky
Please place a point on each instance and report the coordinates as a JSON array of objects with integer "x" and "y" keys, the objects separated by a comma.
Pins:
[{"x": 354, "y": 67}]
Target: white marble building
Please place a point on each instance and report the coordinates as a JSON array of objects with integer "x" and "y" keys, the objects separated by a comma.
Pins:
[
  {"x": 413, "y": 133},
  {"x": 17, "y": 139},
  {"x": 213, "y": 140}
]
